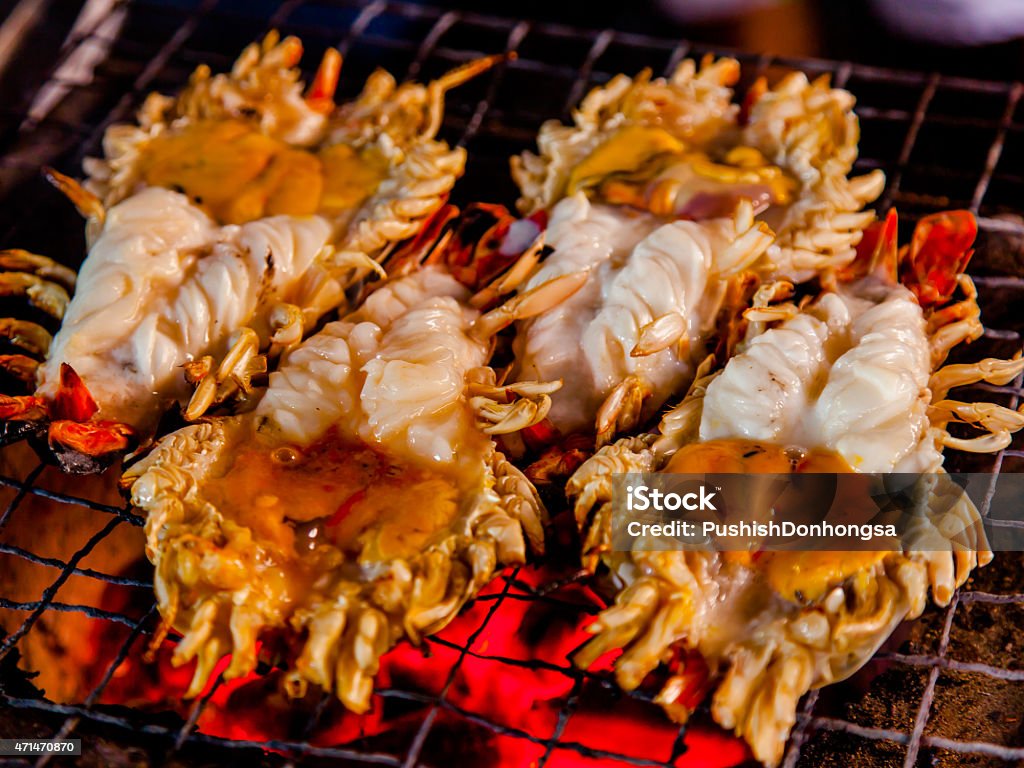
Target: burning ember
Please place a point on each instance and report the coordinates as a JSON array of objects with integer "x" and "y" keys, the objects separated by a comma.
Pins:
[
  {"x": 515, "y": 675},
  {"x": 512, "y": 689},
  {"x": 501, "y": 670}
]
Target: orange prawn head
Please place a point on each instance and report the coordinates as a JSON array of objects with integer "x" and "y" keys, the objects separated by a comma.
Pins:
[
  {"x": 930, "y": 265},
  {"x": 937, "y": 255}
]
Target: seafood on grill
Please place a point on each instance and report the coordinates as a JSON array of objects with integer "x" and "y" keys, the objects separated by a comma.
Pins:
[
  {"x": 636, "y": 330},
  {"x": 848, "y": 382},
  {"x": 230, "y": 219},
  {"x": 675, "y": 202},
  {"x": 249, "y": 144},
  {"x": 363, "y": 500},
  {"x": 35, "y": 291},
  {"x": 165, "y": 288},
  {"x": 680, "y": 147}
]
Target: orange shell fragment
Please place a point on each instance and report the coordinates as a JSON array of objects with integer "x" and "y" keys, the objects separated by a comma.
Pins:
[
  {"x": 94, "y": 438},
  {"x": 938, "y": 255},
  {"x": 73, "y": 400},
  {"x": 22, "y": 408}
]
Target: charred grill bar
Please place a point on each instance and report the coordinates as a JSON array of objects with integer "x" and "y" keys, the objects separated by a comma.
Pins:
[{"x": 943, "y": 142}]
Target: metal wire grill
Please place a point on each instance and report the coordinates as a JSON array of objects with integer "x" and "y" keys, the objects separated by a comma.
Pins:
[{"x": 943, "y": 142}]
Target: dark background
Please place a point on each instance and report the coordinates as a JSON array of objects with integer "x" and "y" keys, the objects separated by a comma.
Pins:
[{"x": 834, "y": 29}]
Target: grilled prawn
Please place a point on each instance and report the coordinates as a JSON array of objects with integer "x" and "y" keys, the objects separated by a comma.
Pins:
[
  {"x": 673, "y": 201},
  {"x": 634, "y": 332},
  {"x": 362, "y": 501},
  {"x": 846, "y": 383},
  {"x": 162, "y": 286},
  {"x": 249, "y": 144},
  {"x": 680, "y": 148},
  {"x": 230, "y": 218}
]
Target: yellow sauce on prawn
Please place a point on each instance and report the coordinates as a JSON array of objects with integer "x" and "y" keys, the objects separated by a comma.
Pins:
[
  {"x": 647, "y": 167},
  {"x": 795, "y": 576},
  {"x": 239, "y": 174},
  {"x": 348, "y": 495}
]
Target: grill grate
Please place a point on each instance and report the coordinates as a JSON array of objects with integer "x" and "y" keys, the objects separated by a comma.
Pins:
[{"x": 943, "y": 142}]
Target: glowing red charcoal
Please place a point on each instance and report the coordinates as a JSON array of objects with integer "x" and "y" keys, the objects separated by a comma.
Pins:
[{"x": 516, "y": 678}]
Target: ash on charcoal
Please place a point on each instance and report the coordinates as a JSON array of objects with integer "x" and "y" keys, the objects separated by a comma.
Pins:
[
  {"x": 833, "y": 749},
  {"x": 970, "y": 706},
  {"x": 945, "y": 758},
  {"x": 1004, "y": 575},
  {"x": 921, "y": 636},
  {"x": 881, "y": 695},
  {"x": 988, "y": 633}
]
